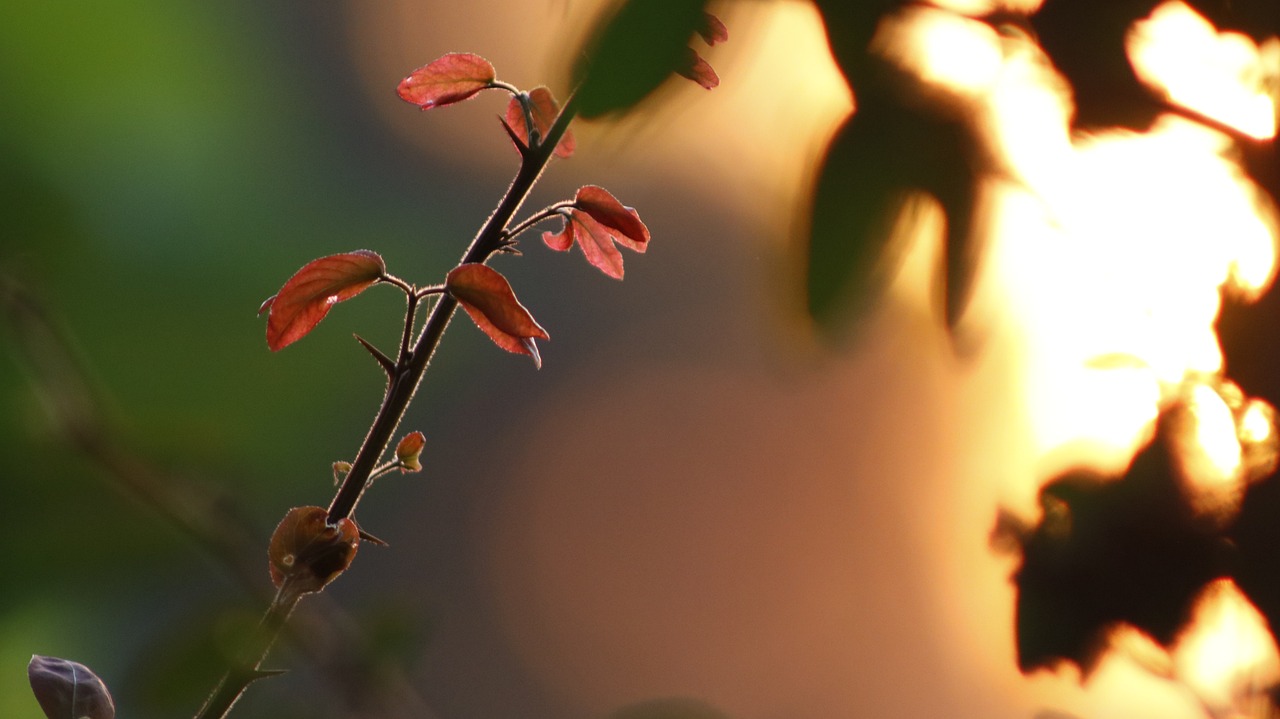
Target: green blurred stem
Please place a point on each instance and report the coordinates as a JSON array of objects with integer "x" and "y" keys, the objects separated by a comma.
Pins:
[
  {"x": 400, "y": 390},
  {"x": 238, "y": 678}
]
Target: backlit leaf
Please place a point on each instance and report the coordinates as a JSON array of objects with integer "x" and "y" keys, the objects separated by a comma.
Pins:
[
  {"x": 698, "y": 70},
  {"x": 560, "y": 241},
  {"x": 596, "y": 222},
  {"x": 69, "y": 690},
  {"x": 713, "y": 31},
  {"x": 544, "y": 109},
  {"x": 306, "y": 298},
  {"x": 605, "y": 209},
  {"x": 452, "y": 78},
  {"x": 488, "y": 299}
]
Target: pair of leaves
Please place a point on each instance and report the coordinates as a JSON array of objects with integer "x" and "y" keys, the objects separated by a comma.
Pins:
[
  {"x": 313, "y": 290},
  {"x": 459, "y": 76},
  {"x": 69, "y": 690},
  {"x": 596, "y": 221},
  {"x": 543, "y": 110},
  {"x": 484, "y": 293}
]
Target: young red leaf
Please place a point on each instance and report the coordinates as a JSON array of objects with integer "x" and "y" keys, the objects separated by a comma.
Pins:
[
  {"x": 560, "y": 241},
  {"x": 697, "y": 69},
  {"x": 487, "y": 297},
  {"x": 712, "y": 30},
  {"x": 410, "y": 450},
  {"x": 596, "y": 222},
  {"x": 452, "y": 78},
  {"x": 306, "y": 298},
  {"x": 544, "y": 109},
  {"x": 605, "y": 209},
  {"x": 68, "y": 690}
]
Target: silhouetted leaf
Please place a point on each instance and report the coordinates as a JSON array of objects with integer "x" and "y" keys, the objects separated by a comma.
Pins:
[
  {"x": 712, "y": 30},
  {"x": 488, "y": 299},
  {"x": 890, "y": 150},
  {"x": 1129, "y": 551},
  {"x": 68, "y": 690},
  {"x": 452, "y": 78},
  {"x": 544, "y": 109},
  {"x": 307, "y": 297},
  {"x": 633, "y": 51},
  {"x": 698, "y": 70}
]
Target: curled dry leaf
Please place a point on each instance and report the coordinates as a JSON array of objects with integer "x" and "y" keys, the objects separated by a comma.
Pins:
[
  {"x": 307, "y": 552},
  {"x": 489, "y": 300},
  {"x": 544, "y": 109},
  {"x": 452, "y": 78},
  {"x": 69, "y": 690},
  {"x": 596, "y": 221},
  {"x": 410, "y": 450},
  {"x": 306, "y": 298}
]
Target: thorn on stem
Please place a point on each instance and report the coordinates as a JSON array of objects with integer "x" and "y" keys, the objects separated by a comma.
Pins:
[{"x": 387, "y": 365}]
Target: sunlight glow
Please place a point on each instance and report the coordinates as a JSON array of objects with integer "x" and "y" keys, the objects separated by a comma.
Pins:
[
  {"x": 942, "y": 48},
  {"x": 1227, "y": 656},
  {"x": 1111, "y": 253},
  {"x": 1225, "y": 76},
  {"x": 1210, "y": 455}
]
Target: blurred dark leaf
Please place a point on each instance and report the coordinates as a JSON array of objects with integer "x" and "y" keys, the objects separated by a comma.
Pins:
[
  {"x": 1128, "y": 551},
  {"x": 69, "y": 690},
  {"x": 1107, "y": 92},
  {"x": 886, "y": 152},
  {"x": 633, "y": 51}
]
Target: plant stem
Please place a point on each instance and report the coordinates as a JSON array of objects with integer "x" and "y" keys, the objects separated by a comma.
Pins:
[
  {"x": 410, "y": 368},
  {"x": 238, "y": 678},
  {"x": 403, "y": 386}
]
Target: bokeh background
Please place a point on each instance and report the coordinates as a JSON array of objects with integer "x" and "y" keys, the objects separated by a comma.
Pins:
[{"x": 693, "y": 510}]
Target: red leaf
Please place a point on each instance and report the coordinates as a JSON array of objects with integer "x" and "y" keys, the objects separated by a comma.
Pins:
[
  {"x": 697, "y": 69},
  {"x": 712, "y": 30},
  {"x": 605, "y": 209},
  {"x": 306, "y": 298},
  {"x": 596, "y": 242},
  {"x": 446, "y": 80},
  {"x": 65, "y": 688},
  {"x": 560, "y": 241},
  {"x": 487, "y": 297},
  {"x": 545, "y": 109},
  {"x": 596, "y": 222}
]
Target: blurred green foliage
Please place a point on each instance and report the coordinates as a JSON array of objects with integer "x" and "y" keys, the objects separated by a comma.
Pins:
[{"x": 164, "y": 167}]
